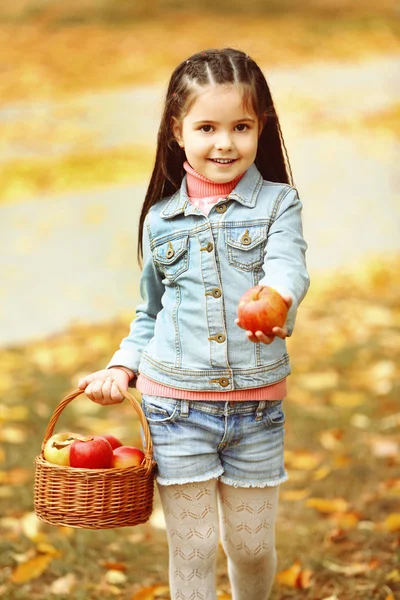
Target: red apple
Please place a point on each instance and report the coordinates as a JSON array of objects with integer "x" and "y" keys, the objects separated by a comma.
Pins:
[
  {"x": 261, "y": 308},
  {"x": 127, "y": 456},
  {"x": 57, "y": 448},
  {"x": 91, "y": 452},
  {"x": 115, "y": 443}
]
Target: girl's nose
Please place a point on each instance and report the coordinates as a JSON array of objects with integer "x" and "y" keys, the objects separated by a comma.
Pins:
[{"x": 224, "y": 142}]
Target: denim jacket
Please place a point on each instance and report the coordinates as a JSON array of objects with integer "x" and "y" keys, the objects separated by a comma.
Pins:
[{"x": 196, "y": 268}]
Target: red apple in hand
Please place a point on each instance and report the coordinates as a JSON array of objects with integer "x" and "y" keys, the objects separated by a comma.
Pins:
[
  {"x": 261, "y": 308},
  {"x": 115, "y": 443},
  {"x": 127, "y": 456},
  {"x": 57, "y": 448},
  {"x": 91, "y": 452}
]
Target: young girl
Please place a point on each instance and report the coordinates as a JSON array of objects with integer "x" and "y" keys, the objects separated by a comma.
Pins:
[{"x": 219, "y": 217}]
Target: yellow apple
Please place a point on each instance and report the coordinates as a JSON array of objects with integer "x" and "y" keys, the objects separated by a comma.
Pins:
[{"x": 56, "y": 449}]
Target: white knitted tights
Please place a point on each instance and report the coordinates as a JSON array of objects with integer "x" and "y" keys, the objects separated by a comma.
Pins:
[{"x": 247, "y": 521}]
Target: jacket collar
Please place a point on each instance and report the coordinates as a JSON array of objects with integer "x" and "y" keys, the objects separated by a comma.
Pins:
[{"x": 245, "y": 193}]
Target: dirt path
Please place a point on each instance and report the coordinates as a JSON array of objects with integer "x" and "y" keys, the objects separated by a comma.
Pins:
[{"x": 72, "y": 258}]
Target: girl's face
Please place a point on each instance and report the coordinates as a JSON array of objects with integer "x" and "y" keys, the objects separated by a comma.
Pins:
[{"x": 218, "y": 133}]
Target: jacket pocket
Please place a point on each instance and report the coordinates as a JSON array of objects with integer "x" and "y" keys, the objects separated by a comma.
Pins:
[
  {"x": 246, "y": 246},
  {"x": 172, "y": 258}
]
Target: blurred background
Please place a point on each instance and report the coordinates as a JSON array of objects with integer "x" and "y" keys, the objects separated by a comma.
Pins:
[{"x": 81, "y": 87}]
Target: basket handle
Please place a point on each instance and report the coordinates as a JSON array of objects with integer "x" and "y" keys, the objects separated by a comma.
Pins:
[{"x": 148, "y": 449}]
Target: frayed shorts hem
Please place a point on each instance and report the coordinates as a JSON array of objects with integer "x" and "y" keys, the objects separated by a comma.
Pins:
[
  {"x": 253, "y": 484},
  {"x": 218, "y": 474},
  {"x": 196, "y": 478}
]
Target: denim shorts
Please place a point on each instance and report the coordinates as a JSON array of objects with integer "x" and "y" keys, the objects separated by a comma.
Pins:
[{"x": 240, "y": 443}]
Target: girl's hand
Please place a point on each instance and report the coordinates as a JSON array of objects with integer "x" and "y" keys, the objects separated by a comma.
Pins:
[
  {"x": 102, "y": 386},
  {"x": 259, "y": 336}
]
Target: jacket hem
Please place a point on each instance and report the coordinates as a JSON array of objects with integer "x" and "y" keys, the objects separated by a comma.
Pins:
[{"x": 221, "y": 380}]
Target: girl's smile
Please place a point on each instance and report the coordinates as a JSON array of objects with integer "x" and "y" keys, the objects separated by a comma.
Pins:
[{"x": 219, "y": 135}]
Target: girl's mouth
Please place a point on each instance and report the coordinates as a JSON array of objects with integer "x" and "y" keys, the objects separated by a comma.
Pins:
[{"x": 223, "y": 161}]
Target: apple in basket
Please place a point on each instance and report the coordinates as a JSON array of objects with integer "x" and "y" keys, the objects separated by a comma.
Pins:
[
  {"x": 127, "y": 456},
  {"x": 115, "y": 443},
  {"x": 57, "y": 447},
  {"x": 91, "y": 452},
  {"x": 261, "y": 308}
]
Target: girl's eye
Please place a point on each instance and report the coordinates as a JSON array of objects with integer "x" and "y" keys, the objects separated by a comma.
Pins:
[
  {"x": 206, "y": 128},
  {"x": 242, "y": 127}
]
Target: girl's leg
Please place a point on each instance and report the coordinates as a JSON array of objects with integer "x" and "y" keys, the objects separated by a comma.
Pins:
[
  {"x": 191, "y": 516},
  {"x": 248, "y": 537}
]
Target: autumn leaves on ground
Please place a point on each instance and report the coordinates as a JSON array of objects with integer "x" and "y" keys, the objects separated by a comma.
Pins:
[{"x": 339, "y": 518}]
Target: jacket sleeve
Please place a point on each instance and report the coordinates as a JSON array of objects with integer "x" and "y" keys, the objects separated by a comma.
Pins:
[
  {"x": 142, "y": 327},
  {"x": 285, "y": 264}
]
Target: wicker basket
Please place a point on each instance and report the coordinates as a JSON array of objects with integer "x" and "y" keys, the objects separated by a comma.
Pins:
[{"x": 94, "y": 498}]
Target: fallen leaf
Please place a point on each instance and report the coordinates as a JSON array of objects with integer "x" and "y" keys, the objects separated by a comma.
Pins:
[
  {"x": 360, "y": 421},
  {"x": 114, "y": 577},
  {"x": 152, "y": 592},
  {"x": 290, "y": 576},
  {"x": 347, "y": 399},
  {"x": 325, "y": 505},
  {"x": 31, "y": 526},
  {"x": 115, "y": 566},
  {"x": 63, "y": 585},
  {"x": 31, "y": 569},
  {"x": 349, "y": 570},
  {"x": 393, "y": 576},
  {"x": 321, "y": 473},
  {"x": 45, "y": 548},
  {"x": 302, "y": 460},
  {"x": 331, "y": 438},
  {"x": 392, "y": 522},
  {"x": 295, "y": 495},
  {"x": 347, "y": 520},
  {"x": 383, "y": 447},
  {"x": 295, "y": 577}
]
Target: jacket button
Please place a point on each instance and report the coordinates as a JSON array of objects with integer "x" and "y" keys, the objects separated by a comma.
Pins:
[
  {"x": 223, "y": 382},
  {"x": 216, "y": 293},
  {"x": 220, "y": 208},
  {"x": 210, "y": 247},
  {"x": 170, "y": 252},
  {"x": 220, "y": 338},
  {"x": 246, "y": 239}
]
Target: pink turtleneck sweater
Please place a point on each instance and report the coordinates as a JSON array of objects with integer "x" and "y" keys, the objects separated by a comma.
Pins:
[{"x": 204, "y": 193}]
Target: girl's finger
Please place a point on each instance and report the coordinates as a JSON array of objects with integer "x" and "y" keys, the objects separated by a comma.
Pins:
[
  {"x": 280, "y": 332},
  {"x": 96, "y": 391},
  {"x": 265, "y": 339},
  {"x": 82, "y": 383},
  {"x": 115, "y": 394},
  {"x": 106, "y": 389},
  {"x": 237, "y": 322},
  {"x": 251, "y": 336}
]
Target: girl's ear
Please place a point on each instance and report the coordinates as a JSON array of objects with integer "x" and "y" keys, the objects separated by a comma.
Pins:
[{"x": 177, "y": 131}]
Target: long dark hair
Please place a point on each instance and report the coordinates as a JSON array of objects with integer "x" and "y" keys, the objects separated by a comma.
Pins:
[{"x": 225, "y": 66}]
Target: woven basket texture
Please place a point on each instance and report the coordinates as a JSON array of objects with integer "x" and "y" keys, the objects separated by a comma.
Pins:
[{"x": 94, "y": 498}]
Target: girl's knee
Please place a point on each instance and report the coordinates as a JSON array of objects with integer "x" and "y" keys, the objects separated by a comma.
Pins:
[{"x": 249, "y": 555}]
